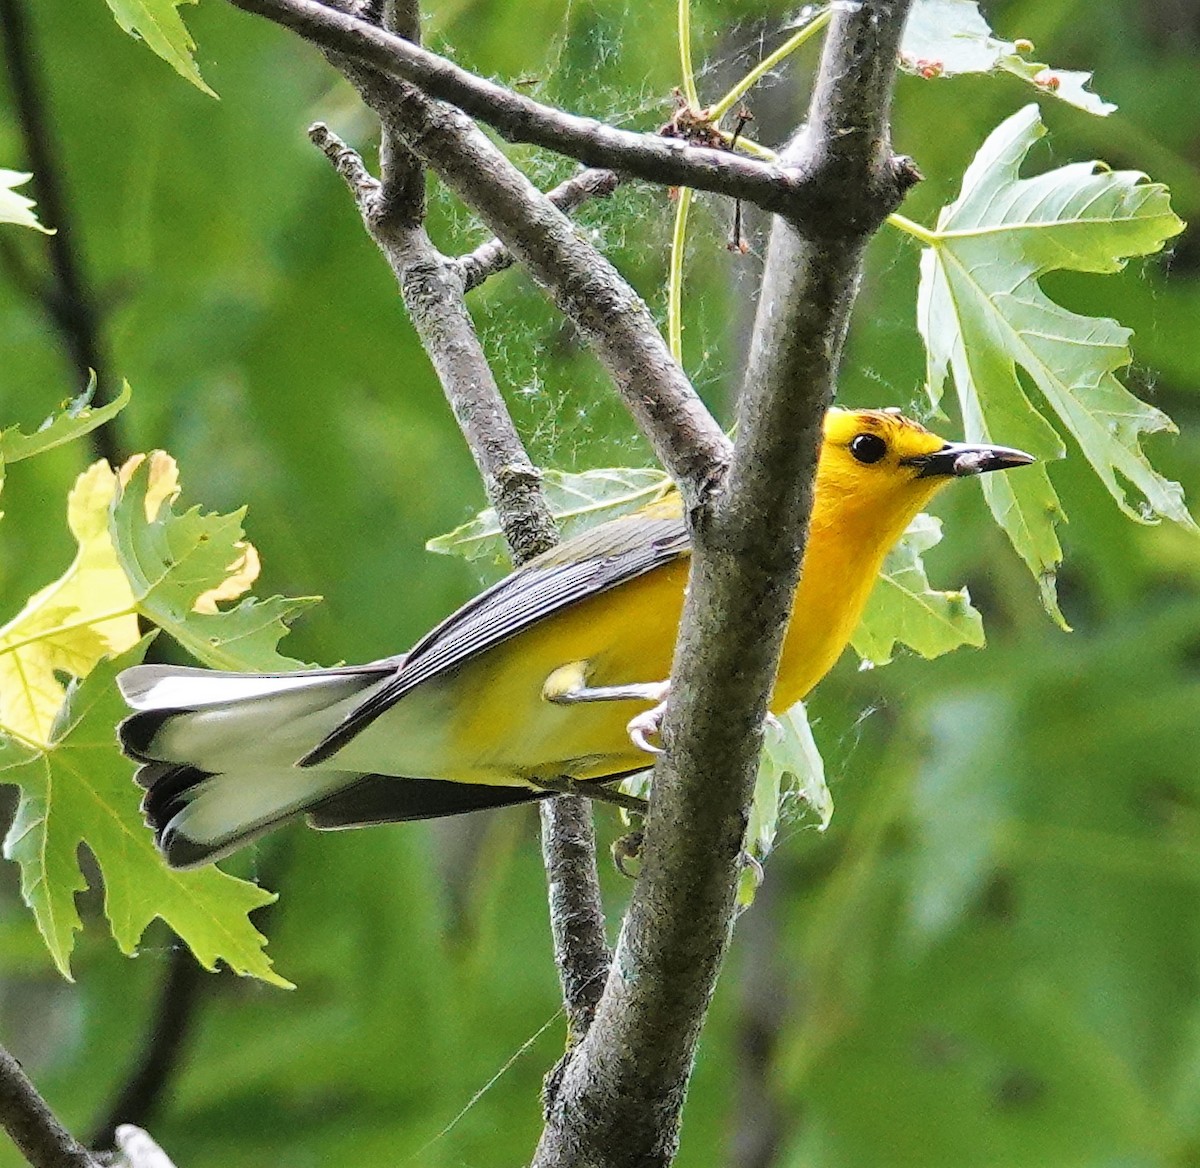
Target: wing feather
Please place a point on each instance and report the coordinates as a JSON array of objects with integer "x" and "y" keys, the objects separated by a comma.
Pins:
[{"x": 593, "y": 562}]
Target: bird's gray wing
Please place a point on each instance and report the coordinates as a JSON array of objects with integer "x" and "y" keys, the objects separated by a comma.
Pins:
[{"x": 592, "y": 562}]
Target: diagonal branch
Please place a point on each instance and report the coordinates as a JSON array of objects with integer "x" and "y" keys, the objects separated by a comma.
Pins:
[
  {"x": 668, "y": 161},
  {"x": 593, "y": 295},
  {"x": 433, "y": 297},
  {"x": 492, "y": 257},
  {"x": 433, "y": 291}
]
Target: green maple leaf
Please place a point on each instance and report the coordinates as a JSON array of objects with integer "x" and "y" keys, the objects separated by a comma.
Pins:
[
  {"x": 158, "y": 23},
  {"x": 904, "y": 608},
  {"x": 791, "y": 773},
  {"x": 576, "y": 500},
  {"x": 986, "y": 320},
  {"x": 77, "y": 790},
  {"x": 179, "y": 566},
  {"x": 76, "y": 418}
]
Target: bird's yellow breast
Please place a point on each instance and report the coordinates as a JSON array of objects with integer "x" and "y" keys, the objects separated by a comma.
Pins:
[{"x": 504, "y": 728}]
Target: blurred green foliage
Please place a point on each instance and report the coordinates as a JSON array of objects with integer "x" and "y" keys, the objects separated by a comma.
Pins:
[{"x": 991, "y": 957}]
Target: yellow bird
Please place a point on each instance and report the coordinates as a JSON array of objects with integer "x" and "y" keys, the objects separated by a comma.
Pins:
[{"x": 554, "y": 675}]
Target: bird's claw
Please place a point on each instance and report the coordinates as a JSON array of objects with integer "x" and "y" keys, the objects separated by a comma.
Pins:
[
  {"x": 647, "y": 722},
  {"x": 628, "y": 847}
]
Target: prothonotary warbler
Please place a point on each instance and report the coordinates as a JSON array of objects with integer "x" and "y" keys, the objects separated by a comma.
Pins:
[{"x": 553, "y": 676}]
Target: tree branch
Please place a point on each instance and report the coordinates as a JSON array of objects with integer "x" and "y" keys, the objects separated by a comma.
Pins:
[
  {"x": 581, "y": 952},
  {"x": 433, "y": 290},
  {"x": 433, "y": 296},
  {"x": 748, "y": 546},
  {"x": 667, "y": 161},
  {"x": 608, "y": 313},
  {"x": 43, "y": 1141},
  {"x": 492, "y": 257},
  {"x": 68, "y": 300}
]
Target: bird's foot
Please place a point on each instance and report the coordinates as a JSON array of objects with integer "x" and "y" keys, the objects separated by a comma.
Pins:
[
  {"x": 649, "y": 721},
  {"x": 625, "y": 849}
]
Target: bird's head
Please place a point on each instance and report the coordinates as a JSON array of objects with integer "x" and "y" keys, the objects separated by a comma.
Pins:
[{"x": 880, "y": 468}]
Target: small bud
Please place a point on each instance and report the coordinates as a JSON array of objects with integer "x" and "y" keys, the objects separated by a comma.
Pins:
[
  {"x": 1047, "y": 80},
  {"x": 930, "y": 69},
  {"x": 1022, "y": 45}
]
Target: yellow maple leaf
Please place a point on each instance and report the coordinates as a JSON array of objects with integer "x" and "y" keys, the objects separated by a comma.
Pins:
[
  {"x": 90, "y": 611},
  {"x": 86, "y": 614}
]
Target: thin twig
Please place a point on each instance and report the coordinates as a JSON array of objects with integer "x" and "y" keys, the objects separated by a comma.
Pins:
[
  {"x": 434, "y": 299},
  {"x": 667, "y": 161},
  {"x": 34, "y": 1128},
  {"x": 68, "y": 300},
  {"x": 493, "y": 257},
  {"x": 581, "y": 952}
]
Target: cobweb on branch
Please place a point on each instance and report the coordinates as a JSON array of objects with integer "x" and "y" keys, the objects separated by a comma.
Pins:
[{"x": 559, "y": 396}]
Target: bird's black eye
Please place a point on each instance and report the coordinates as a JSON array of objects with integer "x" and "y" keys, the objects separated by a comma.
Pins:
[{"x": 868, "y": 448}]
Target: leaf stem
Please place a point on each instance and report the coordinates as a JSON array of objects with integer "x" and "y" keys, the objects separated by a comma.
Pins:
[
  {"x": 685, "y": 54},
  {"x": 675, "y": 278},
  {"x": 914, "y": 229},
  {"x": 769, "y": 62},
  {"x": 750, "y": 146}
]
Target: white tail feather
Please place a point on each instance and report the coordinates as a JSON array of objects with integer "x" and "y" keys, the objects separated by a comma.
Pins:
[
  {"x": 222, "y": 812},
  {"x": 223, "y": 806},
  {"x": 228, "y": 722},
  {"x": 165, "y": 687}
]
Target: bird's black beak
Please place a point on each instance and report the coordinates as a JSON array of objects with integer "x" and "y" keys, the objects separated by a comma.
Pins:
[{"x": 961, "y": 459}]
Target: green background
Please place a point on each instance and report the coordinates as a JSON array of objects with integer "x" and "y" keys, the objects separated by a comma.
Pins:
[{"x": 991, "y": 958}]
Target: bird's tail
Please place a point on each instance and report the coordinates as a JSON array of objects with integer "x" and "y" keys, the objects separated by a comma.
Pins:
[{"x": 218, "y": 750}]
